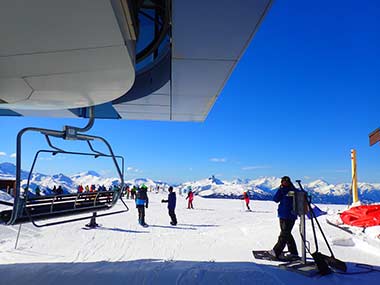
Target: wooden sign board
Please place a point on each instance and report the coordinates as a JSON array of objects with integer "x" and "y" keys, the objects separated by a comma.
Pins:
[{"x": 374, "y": 137}]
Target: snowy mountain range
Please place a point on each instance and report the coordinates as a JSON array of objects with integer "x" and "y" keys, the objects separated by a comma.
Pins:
[{"x": 262, "y": 188}]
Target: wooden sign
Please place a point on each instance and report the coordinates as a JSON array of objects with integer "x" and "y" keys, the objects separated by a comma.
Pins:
[{"x": 374, "y": 137}]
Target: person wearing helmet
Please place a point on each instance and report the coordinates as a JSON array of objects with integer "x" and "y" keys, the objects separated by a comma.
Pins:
[
  {"x": 171, "y": 205},
  {"x": 142, "y": 203},
  {"x": 190, "y": 196}
]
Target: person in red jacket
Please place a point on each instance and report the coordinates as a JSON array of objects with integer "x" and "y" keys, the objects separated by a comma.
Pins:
[
  {"x": 190, "y": 196},
  {"x": 246, "y": 199}
]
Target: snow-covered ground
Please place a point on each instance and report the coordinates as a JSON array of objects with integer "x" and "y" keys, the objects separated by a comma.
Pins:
[{"x": 212, "y": 244}]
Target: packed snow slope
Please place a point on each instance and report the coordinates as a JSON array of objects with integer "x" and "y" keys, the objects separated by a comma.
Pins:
[{"x": 212, "y": 244}]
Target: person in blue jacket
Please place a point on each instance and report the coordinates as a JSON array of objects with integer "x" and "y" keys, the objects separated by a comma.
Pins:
[
  {"x": 142, "y": 203},
  {"x": 284, "y": 196},
  {"x": 171, "y": 205}
]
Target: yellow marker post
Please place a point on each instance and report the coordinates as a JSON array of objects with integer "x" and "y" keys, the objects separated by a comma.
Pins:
[{"x": 355, "y": 197}]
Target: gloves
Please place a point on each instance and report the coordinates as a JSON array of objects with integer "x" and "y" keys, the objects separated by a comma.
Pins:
[
  {"x": 162, "y": 201},
  {"x": 146, "y": 206}
]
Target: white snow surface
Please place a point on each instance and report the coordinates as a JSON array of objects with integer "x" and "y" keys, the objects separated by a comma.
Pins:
[
  {"x": 261, "y": 188},
  {"x": 212, "y": 244}
]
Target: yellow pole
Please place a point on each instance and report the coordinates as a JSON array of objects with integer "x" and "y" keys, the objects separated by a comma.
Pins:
[{"x": 355, "y": 197}]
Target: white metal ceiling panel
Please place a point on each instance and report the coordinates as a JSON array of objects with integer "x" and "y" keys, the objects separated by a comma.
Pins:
[
  {"x": 188, "y": 117},
  {"x": 71, "y": 53},
  {"x": 39, "y": 26},
  {"x": 70, "y": 61},
  {"x": 14, "y": 89},
  {"x": 46, "y": 113},
  {"x": 184, "y": 104},
  {"x": 154, "y": 99},
  {"x": 146, "y": 116},
  {"x": 194, "y": 78},
  {"x": 125, "y": 108}
]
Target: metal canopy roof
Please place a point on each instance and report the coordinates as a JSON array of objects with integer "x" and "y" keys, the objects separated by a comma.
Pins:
[{"x": 208, "y": 39}]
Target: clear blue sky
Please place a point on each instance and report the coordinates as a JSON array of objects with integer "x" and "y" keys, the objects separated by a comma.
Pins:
[{"x": 306, "y": 91}]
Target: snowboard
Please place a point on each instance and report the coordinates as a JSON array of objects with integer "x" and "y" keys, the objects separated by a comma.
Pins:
[{"x": 265, "y": 255}]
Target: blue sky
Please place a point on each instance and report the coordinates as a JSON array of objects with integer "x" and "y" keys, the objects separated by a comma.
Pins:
[{"x": 305, "y": 93}]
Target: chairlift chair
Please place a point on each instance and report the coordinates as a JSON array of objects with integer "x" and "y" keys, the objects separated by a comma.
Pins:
[{"x": 32, "y": 209}]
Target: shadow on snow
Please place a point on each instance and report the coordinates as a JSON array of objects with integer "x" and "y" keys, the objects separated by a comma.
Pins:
[
  {"x": 173, "y": 227},
  {"x": 121, "y": 230},
  {"x": 154, "y": 271}
]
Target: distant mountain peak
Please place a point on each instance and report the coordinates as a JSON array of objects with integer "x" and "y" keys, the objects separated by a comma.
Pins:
[
  {"x": 318, "y": 182},
  {"x": 7, "y": 167},
  {"x": 140, "y": 180},
  {"x": 92, "y": 173},
  {"x": 216, "y": 180}
]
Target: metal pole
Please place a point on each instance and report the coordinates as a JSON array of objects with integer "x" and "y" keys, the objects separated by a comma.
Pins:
[
  {"x": 92, "y": 223},
  {"x": 303, "y": 236},
  {"x": 301, "y": 208},
  {"x": 18, "y": 235}
]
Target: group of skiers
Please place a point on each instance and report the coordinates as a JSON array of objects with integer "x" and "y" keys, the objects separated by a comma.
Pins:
[
  {"x": 57, "y": 190},
  {"x": 140, "y": 194},
  {"x": 283, "y": 196},
  {"x": 130, "y": 193},
  {"x": 142, "y": 202},
  {"x": 92, "y": 188}
]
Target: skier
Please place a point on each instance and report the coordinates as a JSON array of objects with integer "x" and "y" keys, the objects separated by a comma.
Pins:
[
  {"x": 80, "y": 188},
  {"x": 246, "y": 199},
  {"x": 287, "y": 218},
  {"x": 133, "y": 192},
  {"x": 59, "y": 190},
  {"x": 142, "y": 203},
  {"x": 190, "y": 196},
  {"x": 171, "y": 205},
  {"x": 38, "y": 191},
  {"x": 127, "y": 191}
]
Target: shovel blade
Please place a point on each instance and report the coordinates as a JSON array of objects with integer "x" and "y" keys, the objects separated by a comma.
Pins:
[
  {"x": 320, "y": 261},
  {"x": 336, "y": 263}
]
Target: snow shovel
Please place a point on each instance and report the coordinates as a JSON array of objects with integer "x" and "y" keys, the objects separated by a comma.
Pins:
[
  {"x": 320, "y": 261},
  {"x": 323, "y": 261},
  {"x": 332, "y": 261},
  {"x": 319, "y": 258}
]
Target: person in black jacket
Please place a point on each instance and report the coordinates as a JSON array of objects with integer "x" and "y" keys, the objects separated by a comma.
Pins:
[
  {"x": 142, "y": 203},
  {"x": 284, "y": 196},
  {"x": 171, "y": 206}
]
